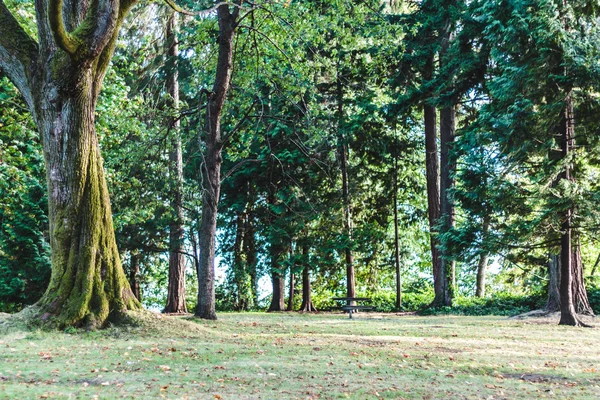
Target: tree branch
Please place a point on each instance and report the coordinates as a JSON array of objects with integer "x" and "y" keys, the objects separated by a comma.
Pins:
[
  {"x": 203, "y": 13},
  {"x": 18, "y": 53},
  {"x": 63, "y": 39},
  {"x": 96, "y": 30}
]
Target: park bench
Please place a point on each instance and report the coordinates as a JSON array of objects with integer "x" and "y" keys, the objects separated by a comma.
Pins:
[{"x": 354, "y": 307}]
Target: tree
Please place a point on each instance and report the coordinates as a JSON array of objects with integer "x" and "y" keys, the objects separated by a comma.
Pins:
[
  {"x": 212, "y": 159},
  {"x": 176, "y": 285},
  {"x": 60, "y": 77}
]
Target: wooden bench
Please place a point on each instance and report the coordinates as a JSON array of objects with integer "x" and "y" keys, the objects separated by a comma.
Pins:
[{"x": 353, "y": 307}]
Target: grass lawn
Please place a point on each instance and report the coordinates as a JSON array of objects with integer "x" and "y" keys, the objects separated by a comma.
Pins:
[{"x": 295, "y": 356}]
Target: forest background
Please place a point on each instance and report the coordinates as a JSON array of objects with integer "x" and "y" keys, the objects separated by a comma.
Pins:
[{"x": 416, "y": 147}]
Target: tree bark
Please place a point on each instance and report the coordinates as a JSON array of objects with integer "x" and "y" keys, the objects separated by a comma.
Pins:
[
  {"x": 60, "y": 80},
  {"x": 176, "y": 285},
  {"x": 212, "y": 163},
  {"x": 307, "y": 304},
  {"x": 554, "y": 267},
  {"x": 134, "y": 271},
  {"x": 433, "y": 188},
  {"x": 277, "y": 278},
  {"x": 447, "y": 270}
]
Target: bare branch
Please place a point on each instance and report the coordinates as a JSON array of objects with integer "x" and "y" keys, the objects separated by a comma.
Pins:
[
  {"x": 18, "y": 53},
  {"x": 202, "y": 13}
]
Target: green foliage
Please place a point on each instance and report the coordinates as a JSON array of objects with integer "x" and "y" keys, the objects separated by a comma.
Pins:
[{"x": 24, "y": 248}]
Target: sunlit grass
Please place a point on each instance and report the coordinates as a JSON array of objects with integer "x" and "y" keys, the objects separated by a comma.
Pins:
[{"x": 290, "y": 355}]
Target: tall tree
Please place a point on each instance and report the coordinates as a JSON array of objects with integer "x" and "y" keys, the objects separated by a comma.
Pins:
[
  {"x": 60, "y": 77},
  {"x": 176, "y": 285},
  {"x": 212, "y": 159}
]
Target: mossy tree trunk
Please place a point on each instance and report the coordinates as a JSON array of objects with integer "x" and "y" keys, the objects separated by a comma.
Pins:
[{"x": 60, "y": 78}]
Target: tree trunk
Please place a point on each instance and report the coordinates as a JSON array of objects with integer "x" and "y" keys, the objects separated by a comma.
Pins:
[
  {"x": 239, "y": 273},
  {"x": 134, "y": 271},
  {"x": 433, "y": 189},
  {"x": 290, "y": 305},
  {"x": 307, "y": 304},
  {"x": 176, "y": 285},
  {"x": 397, "y": 239},
  {"x": 88, "y": 286},
  {"x": 483, "y": 262},
  {"x": 212, "y": 164},
  {"x": 60, "y": 79},
  {"x": 277, "y": 278},
  {"x": 447, "y": 270},
  {"x": 343, "y": 156},
  {"x": 580, "y": 298},
  {"x": 568, "y": 314},
  {"x": 250, "y": 247}
]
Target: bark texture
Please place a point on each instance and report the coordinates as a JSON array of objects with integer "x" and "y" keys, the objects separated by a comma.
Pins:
[
  {"x": 211, "y": 169},
  {"x": 176, "y": 284},
  {"x": 134, "y": 271},
  {"x": 60, "y": 80}
]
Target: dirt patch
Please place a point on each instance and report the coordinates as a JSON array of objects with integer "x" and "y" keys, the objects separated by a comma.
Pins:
[
  {"x": 536, "y": 378},
  {"x": 448, "y": 350}
]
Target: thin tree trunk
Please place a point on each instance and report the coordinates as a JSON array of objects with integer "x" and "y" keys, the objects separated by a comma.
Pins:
[
  {"x": 134, "y": 271},
  {"x": 307, "y": 304},
  {"x": 397, "y": 239},
  {"x": 176, "y": 285},
  {"x": 483, "y": 262},
  {"x": 212, "y": 163},
  {"x": 447, "y": 271},
  {"x": 238, "y": 269},
  {"x": 343, "y": 156},
  {"x": 290, "y": 305},
  {"x": 250, "y": 247},
  {"x": 433, "y": 188}
]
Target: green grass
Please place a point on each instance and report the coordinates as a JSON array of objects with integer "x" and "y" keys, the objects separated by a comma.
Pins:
[{"x": 289, "y": 355}]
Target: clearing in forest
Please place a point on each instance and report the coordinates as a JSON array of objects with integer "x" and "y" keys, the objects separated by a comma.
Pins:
[{"x": 295, "y": 356}]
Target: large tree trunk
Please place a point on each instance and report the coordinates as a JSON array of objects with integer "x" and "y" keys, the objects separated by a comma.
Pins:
[
  {"x": 176, "y": 285},
  {"x": 60, "y": 80},
  {"x": 88, "y": 285},
  {"x": 211, "y": 169},
  {"x": 433, "y": 188},
  {"x": 307, "y": 304}
]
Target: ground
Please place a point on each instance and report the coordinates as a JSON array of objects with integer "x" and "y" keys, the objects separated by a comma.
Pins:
[{"x": 305, "y": 356}]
